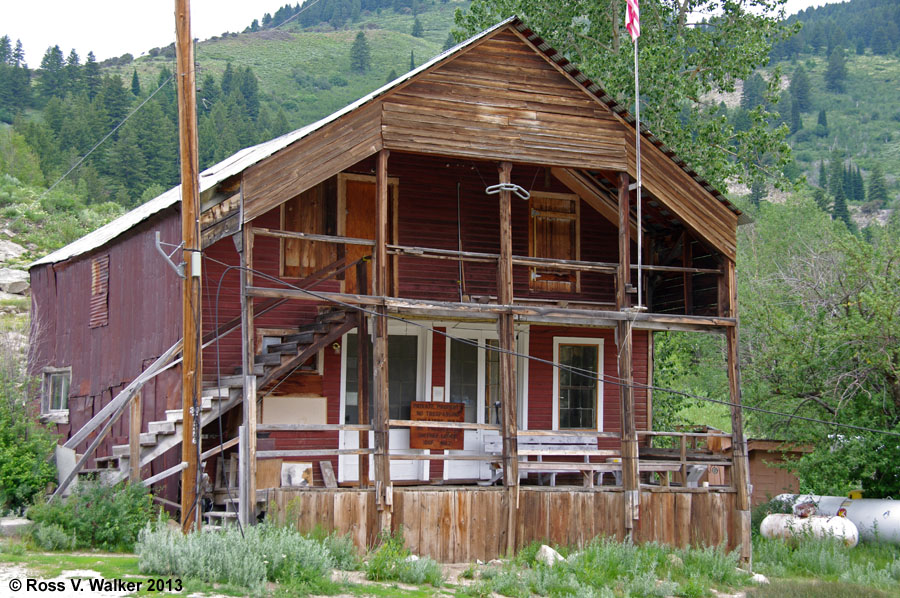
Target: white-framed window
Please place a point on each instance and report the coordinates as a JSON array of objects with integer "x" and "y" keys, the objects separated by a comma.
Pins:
[
  {"x": 577, "y": 386},
  {"x": 55, "y": 394}
]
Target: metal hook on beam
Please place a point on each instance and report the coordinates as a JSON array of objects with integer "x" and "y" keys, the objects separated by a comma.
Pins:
[
  {"x": 517, "y": 189},
  {"x": 179, "y": 269}
]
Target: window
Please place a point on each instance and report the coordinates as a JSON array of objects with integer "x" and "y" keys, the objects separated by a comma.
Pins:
[
  {"x": 99, "y": 292},
  {"x": 313, "y": 211},
  {"x": 554, "y": 233},
  {"x": 403, "y": 372},
  {"x": 577, "y": 393},
  {"x": 55, "y": 390}
]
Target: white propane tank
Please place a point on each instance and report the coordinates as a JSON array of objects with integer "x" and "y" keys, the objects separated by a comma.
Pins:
[
  {"x": 876, "y": 519},
  {"x": 786, "y": 527}
]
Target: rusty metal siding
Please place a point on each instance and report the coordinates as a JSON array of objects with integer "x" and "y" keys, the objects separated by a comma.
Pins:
[{"x": 143, "y": 319}]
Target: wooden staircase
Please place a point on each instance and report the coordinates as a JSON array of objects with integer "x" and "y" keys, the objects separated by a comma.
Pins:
[{"x": 279, "y": 358}]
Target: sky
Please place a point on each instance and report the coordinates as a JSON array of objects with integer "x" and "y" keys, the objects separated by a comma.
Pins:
[{"x": 111, "y": 28}]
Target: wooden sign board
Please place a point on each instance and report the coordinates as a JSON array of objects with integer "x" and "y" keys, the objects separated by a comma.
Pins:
[{"x": 437, "y": 438}]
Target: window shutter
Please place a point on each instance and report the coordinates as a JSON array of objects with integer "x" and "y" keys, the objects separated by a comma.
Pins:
[
  {"x": 554, "y": 235},
  {"x": 99, "y": 292}
]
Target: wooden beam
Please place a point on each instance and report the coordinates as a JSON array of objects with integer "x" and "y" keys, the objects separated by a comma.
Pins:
[
  {"x": 134, "y": 438},
  {"x": 623, "y": 278},
  {"x": 191, "y": 321},
  {"x": 741, "y": 467},
  {"x": 507, "y": 343},
  {"x": 381, "y": 402},
  {"x": 687, "y": 259},
  {"x": 165, "y": 474},
  {"x": 592, "y": 195},
  {"x": 247, "y": 454}
]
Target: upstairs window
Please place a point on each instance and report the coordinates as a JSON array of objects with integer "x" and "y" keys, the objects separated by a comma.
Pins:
[
  {"x": 99, "y": 292},
  {"x": 314, "y": 211},
  {"x": 554, "y": 233},
  {"x": 55, "y": 390}
]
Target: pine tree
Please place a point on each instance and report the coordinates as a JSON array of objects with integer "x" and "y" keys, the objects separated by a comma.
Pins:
[
  {"x": 820, "y": 199},
  {"x": 800, "y": 90},
  {"x": 839, "y": 210},
  {"x": 823, "y": 176},
  {"x": 19, "y": 55},
  {"x": 249, "y": 88},
  {"x": 391, "y": 76},
  {"x": 52, "y": 83},
  {"x": 5, "y": 50},
  {"x": 796, "y": 120},
  {"x": 91, "y": 76},
  {"x": 822, "y": 124},
  {"x": 135, "y": 83},
  {"x": 881, "y": 41},
  {"x": 848, "y": 183},
  {"x": 836, "y": 177},
  {"x": 836, "y": 72},
  {"x": 417, "y": 29},
  {"x": 757, "y": 191},
  {"x": 359, "y": 54},
  {"x": 753, "y": 92},
  {"x": 412, "y": 60},
  {"x": 450, "y": 42},
  {"x": 227, "y": 79},
  {"x": 73, "y": 73},
  {"x": 877, "y": 186},
  {"x": 859, "y": 188},
  {"x": 113, "y": 101}
]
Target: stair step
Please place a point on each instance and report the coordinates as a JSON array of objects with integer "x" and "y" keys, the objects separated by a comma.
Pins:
[
  {"x": 287, "y": 346},
  {"x": 332, "y": 316},
  {"x": 303, "y": 338},
  {"x": 236, "y": 381},
  {"x": 107, "y": 462},
  {"x": 165, "y": 427},
  {"x": 268, "y": 359},
  {"x": 220, "y": 515},
  {"x": 317, "y": 327}
]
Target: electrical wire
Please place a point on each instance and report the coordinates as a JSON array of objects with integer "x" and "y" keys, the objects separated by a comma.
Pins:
[{"x": 605, "y": 378}]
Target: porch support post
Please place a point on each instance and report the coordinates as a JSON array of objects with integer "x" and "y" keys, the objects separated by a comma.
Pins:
[
  {"x": 507, "y": 343},
  {"x": 364, "y": 364},
  {"x": 383, "y": 488},
  {"x": 630, "y": 480},
  {"x": 134, "y": 438},
  {"x": 740, "y": 468},
  {"x": 247, "y": 454}
]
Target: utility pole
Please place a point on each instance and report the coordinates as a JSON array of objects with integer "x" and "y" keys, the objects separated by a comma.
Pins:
[{"x": 190, "y": 230}]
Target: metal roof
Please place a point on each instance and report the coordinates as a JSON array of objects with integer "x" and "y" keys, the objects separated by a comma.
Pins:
[{"x": 237, "y": 163}]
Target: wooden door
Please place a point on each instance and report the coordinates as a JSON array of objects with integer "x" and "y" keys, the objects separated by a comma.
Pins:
[{"x": 359, "y": 215}]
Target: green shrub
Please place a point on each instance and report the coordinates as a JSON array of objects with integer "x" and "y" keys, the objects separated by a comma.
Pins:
[
  {"x": 52, "y": 537},
  {"x": 98, "y": 516},
  {"x": 392, "y": 561}
]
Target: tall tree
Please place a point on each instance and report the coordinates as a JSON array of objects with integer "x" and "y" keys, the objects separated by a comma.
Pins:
[
  {"x": 822, "y": 124},
  {"x": 823, "y": 175},
  {"x": 836, "y": 72},
  {"x": 113, "y": 100},
  {"x": 753, "y": 93},
  {"x": 360, "y": 57},
  {"x": 417, "y": 29},
  {"x": 412, "y": 59},
  {"x": 820, "y": 199},
  {"x": 91, "y": 76},
  {"x": 839, "y": 210},
  {"x": 135, "y": 83},
  {"x": 73, "y": 73},
  {"x": 5, "y": 50},
  {"x": 877, "y": 187},
  {"x": 449, "y": 42},
  {"x": 680, "y": 62},
  {"x": 227, "y": 79},
  {"x": 796, "y": 120},
  {"x": 800, "y": 90},
  {"x": 52, "y": 82}
]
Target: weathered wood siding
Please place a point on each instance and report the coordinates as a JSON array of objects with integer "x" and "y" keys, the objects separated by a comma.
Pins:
[
  {"x": 311, "y": 160},
  {"x": 455, "y": 525},
  {"x": 501, "y": 100}
]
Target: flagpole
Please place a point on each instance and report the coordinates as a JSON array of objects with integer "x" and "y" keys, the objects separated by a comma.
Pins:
[{"x": 637, "y": 149}]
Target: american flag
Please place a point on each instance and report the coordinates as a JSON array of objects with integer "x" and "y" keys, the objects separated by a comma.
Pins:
[{"x": 633, "y": 19}]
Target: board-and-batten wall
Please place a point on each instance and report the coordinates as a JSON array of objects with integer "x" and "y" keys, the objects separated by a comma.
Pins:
[{"x": 463, "y": 524}]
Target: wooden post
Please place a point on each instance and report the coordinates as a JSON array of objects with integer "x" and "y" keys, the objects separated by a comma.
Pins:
[
  {"x": 364, "y": 365},
  {"x": 507, "y": 344},
  {"x": 630, "y": 479},
  {"x": 134, "y": 438},
  {"x": 740, "y": 467},
  {"x": 247, "y": 457},
  {"x": 687, "y": 261},
  {"x": 185, "y": 83},
  {"x": 383, "y": 489}
]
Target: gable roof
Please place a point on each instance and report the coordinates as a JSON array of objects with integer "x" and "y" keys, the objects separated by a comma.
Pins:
[{"x": 244, "y": 159}]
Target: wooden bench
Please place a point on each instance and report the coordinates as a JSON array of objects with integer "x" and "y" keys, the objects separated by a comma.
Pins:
[{"x": 563, "y": 445}]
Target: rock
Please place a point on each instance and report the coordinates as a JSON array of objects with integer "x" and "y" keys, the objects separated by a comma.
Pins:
[
  {"x": 10, "y": 250},
  {"x": 548, "y": 556},
  {"x": 411, "y": 558},
  {"x": 675, "y": 561},
  {"x": 495, "y": 563},
  {"x": 14, "y": 526},
  {"x": 759, "y": 579},
  {"x": 13, "y": 281}
]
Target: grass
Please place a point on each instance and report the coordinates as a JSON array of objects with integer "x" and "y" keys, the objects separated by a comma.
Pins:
[{"x": 816, "y": 589}]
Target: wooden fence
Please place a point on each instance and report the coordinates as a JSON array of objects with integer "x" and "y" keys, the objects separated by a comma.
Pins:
[{"x": 464, "y": 524}]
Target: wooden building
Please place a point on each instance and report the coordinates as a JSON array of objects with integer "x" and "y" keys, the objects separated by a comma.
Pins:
[{"x": 465, "y": 235}]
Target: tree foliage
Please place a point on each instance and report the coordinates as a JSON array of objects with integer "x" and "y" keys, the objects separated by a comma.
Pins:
[
  {"x": 360, "y": 57},
  {"x": 680, "y": 62}
]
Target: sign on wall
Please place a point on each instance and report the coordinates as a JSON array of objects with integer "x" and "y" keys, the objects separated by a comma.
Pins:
[{"x": 437, "y": 438}]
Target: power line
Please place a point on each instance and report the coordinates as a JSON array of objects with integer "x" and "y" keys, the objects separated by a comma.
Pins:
[{"x": 579, "y": 371}]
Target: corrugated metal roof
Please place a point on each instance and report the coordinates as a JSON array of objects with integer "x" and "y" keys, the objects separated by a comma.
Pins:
[{"x": 237, "y": 163}]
